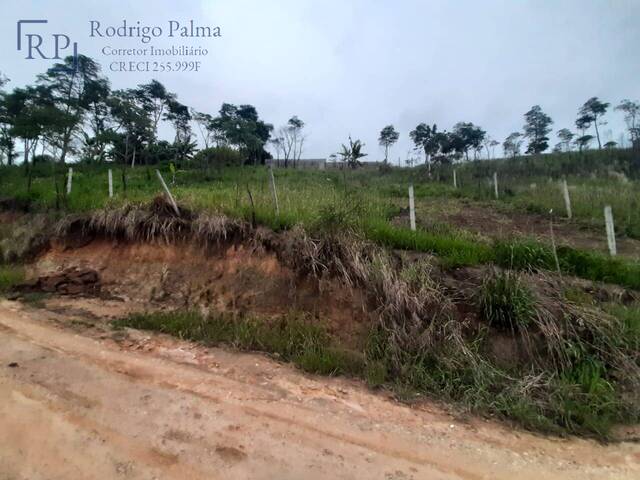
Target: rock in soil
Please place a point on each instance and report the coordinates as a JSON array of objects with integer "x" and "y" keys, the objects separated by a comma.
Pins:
[{"x": 72, "y": 281}]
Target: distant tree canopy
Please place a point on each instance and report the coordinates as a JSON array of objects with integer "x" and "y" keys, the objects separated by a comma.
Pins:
[
  {"x": 536, "y": 128},
  {"x": 240, "y": 127},
  {"x": 593, "y": 109},
  {"x": 72, "y": 111},
  {"x": 289, "y": 141},
  {"x": 425, "y": 137},
  {"x": 469, "y": 137},
  {"x": 512, "y": 144},
  {"x": 632, "y": 118},
  {"x": 388, "y": 136},
  {"x": 442, "y": 147},
  {"x": 565, "y": 135}
]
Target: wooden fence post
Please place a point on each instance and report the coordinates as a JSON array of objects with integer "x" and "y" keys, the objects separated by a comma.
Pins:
[
  {"x": 110, "y": 175},
  {"x": 455, "y": 179},
  {"x": 495, "y": 184}
]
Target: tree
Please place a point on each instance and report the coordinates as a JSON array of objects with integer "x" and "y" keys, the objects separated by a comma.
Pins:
[
  {"x": 278, "y": 145},
  {"x": 583, "y": 123},
  {"x": 388, "y": 136},
  {"x": 536, "y": 128},
  {"x": 583, "y": 142},
  {"x": 490, "y": 144},
  {"x": 352, "y": 153},
  {"x": 632, "y": 118},
  {"x": 132, "y": 125},
  {"x": 180, "y": 117},
  {"x": 512, "y": 144},
  {"x": 32, "y": 116},
  {"x": 292, "y": 140},
  {"x": 154, "y": 99},
  {"x": 203, "y": 121},
  {"x": 98, "y": 120},
  {"x": 610, "y": 145},
  {"x": 68, "y": 84},
  {"x": 241, "y": 127},
  {"x": 469, "y": 136},
  {"x": 424, "y": 137},
  {"x": 450, "y": 147},
  {"x": 565, "y": 135},
  {"x": 595, "y": 109},
  {"x": 7, "y": 144}
]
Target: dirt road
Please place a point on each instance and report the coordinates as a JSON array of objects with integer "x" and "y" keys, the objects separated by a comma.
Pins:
[{"x": 78, "y": 402}]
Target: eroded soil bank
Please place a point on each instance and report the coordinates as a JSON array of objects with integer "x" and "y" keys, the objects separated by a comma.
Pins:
[{"x": 234, "y": 278}]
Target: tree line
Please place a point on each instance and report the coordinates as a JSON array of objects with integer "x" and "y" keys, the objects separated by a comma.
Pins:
[
  {"x": 443, "y": 147},
  {"x": 71, "y": 110}
]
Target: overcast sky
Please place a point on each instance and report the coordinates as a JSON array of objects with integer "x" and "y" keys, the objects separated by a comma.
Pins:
[{"x": 352, "y": 67}]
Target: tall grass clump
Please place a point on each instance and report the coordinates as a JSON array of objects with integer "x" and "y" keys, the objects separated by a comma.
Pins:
[
  {"x": 504, "y": 302},
  {"x": 10, "y": 276}
]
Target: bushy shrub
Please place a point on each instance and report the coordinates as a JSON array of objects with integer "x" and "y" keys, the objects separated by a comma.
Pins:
[{"x": 217, "y": 157}]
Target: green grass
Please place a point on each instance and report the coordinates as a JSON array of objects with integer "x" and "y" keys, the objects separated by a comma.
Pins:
[
  {"x": 453, "y": 250},
  {"x": 10, "y": 276},
  {"x": 531, "y": 255},
  {"x": 629, "y": 315},
  {"x": 362, "y": 201},
  {"x": 582, "y": 399},
  {"x": 292, "y": 338}
]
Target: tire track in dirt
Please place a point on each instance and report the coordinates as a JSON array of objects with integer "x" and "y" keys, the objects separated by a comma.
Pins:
[
  {"x": 279, "y": 424},
  {"x": 191, "y": 382},
  {"x": 40, "y": 403}
]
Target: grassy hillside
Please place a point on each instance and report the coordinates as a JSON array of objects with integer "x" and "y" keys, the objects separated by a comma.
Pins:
[
  {"x": 437, "y": 333},
  {"x": 367, "y": 200}
]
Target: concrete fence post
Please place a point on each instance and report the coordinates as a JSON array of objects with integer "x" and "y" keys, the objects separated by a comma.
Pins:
[
  {"x": 567, "y": 199},
  {"x": 69, "y": 180},
  {"x": 412, "y": 209},
  {"x": 166, "y": 189},
  {"x": 274, "y": 192},
  {"x": 611, "y": 233}
]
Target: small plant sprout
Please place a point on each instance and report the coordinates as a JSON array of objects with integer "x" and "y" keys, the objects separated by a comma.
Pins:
[{"x": 172, "y": 169}]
